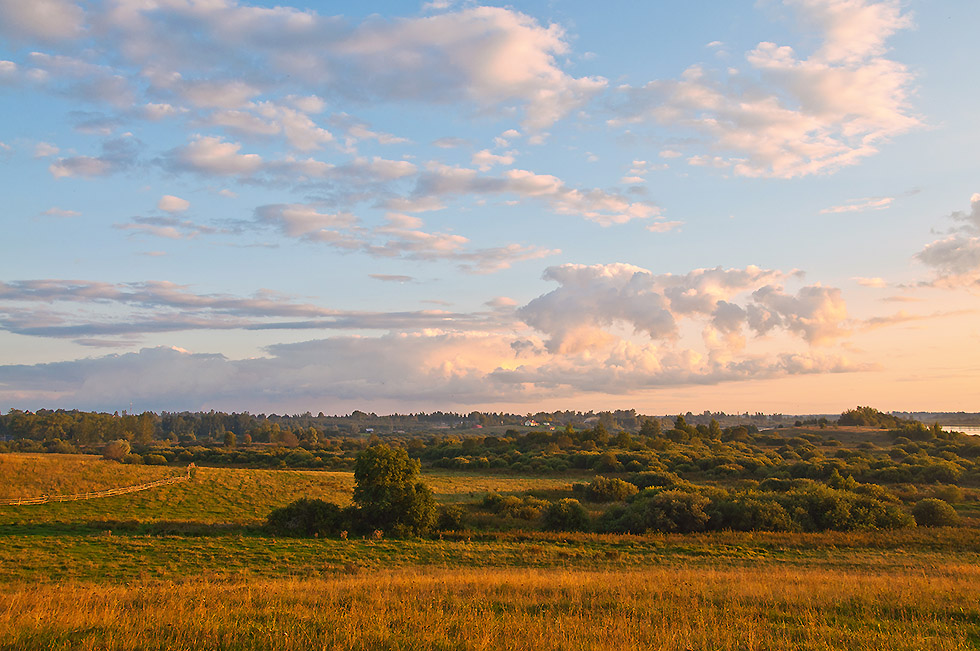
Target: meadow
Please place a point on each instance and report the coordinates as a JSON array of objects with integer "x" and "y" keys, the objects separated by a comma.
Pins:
[{"x": 188, "y": 566}]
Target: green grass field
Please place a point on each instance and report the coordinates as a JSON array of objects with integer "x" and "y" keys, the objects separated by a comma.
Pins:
[{"x": 186, "y": 567}]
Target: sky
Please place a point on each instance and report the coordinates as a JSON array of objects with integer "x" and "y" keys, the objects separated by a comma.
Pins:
[{"x": 669, "y": 206}]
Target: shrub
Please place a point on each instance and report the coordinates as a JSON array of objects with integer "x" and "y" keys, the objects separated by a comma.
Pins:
[
  {"x": 934, "y": 512},
  {"x": 133, "y": 458},
  {"x": 452, "y": 517},
  {"x": 154, "y": 459},
  {"x": 306, "y": 517},
  {"x": 667, "y": 511},
  {"x": 749, "y": 512},
  {"x": 566, "y": 515},
  {"x": 116, "y": 450},
  {"x": 608, "y": 489}
]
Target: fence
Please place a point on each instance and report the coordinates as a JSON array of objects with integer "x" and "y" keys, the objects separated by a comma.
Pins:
[{"x": 44, "y": 499}]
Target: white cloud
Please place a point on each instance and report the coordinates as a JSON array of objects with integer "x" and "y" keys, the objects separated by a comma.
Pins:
[
  {"x": 596, "y": 205},
  {"x": 117, "y": 155},
  {"x": 484, "y": 159},
  {"x": 871, "y": 282},
  {"x": 61, "y": 212},
  {"x": 796, "y": 116},
  {"x": 170, "y": 203},
  {"x": 664, "y": 227},
  {"x": 212, "y": 155},
  {"x": 860, "y": 205},
  {"x": 400, "y": 236},
  {"x": 955, "y": 259},
  {"x": 45, "y": 149},
  {"x": 46, "y": 20},
  {"x": 80, "y": 166}
]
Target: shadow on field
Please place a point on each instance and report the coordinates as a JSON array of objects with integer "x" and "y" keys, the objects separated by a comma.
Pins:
[{"x": 131, "y": 527}]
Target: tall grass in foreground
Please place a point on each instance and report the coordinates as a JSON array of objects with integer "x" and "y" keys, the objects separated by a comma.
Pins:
[{"x": 656, "y": 608}]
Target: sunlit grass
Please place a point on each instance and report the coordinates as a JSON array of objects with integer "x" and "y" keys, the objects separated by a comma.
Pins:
[{"x": 651, "y": 608}]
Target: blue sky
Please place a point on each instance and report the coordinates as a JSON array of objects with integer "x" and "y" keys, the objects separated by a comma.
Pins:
[{"x": 677, "y": 205}]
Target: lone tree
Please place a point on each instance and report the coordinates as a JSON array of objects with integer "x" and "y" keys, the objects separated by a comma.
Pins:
[{"x": 389, "y": 494}]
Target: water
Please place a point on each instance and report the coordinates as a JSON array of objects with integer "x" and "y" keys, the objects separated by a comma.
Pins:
[{"x": 973, "y": 430}]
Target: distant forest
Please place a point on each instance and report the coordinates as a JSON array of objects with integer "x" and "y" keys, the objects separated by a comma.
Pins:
[{"x": 91, "y": 428}]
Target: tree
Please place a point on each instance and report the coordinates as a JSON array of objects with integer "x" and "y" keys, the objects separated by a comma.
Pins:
[
  {"x": 388, "y": 493},
  {"x": 116, "y": 450}
]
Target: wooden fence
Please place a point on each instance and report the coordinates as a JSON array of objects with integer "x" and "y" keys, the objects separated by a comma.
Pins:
[{"x": 44, "y": 499}]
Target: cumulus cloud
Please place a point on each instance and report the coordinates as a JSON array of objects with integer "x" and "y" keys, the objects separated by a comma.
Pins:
[
  {"x": 955, "y": 259},
  {"x": 486, "y": 56},
  {"x": 792, "y": 116},
  {"x": 212, "y": 155},
  {"x": 592, "y": 301},
  {"x": 170, "y": 203},
  {"x": 485, "y": 159}
]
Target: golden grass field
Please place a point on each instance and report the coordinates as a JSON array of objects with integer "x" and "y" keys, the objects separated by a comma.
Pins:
[{"x": 184, "y": 567}]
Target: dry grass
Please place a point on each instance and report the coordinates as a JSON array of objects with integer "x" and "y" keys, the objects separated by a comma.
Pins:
[
  {"x": 217, "y": 495},
  {"x": 655, "y": 608}
]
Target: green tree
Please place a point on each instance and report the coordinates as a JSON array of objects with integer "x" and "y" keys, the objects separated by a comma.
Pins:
[{"x": 389, "y": 494}]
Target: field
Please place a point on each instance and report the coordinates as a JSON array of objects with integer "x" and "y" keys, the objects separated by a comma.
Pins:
[{"x": 186, "y": 566}]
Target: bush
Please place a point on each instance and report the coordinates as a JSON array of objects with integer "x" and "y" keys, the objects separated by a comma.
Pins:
[
  {"x": 306, "y": 517},
  {"x": 666, "y": 511},
  {"x": 154, "y": 459},
  {"x": 934, "y": 512},
  {"x": 750, "y": 512},
  {"x": 607, "y": 489},
  {"x": 566, "y": 515},
  {"x": 452, "y": 517},
  {"x": 133, "y": 458}
]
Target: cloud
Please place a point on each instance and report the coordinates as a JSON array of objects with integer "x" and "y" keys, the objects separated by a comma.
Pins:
[
  {"x": 792, "y": 116},
  {"x": 488, "y": 57},
  {"x": 399, "y": 369},
  {"x": 118, "y": 154},
  {"x": 484, "y": 159},
  {"x": 664, "y": 227},
  {"x": 597, "y": 205},
  {"x": 212, "y": 155},
  {"x": 44, "y": 20},
  {"x": 590, "y": 299},
  {"x": 61, "y": 213},
  {"x": 955, "y": 259},
  {"x": 171, "y": 228},
  {"x": 172, "y": 204},
  {"x": 45, "y": 149},
  {"x": 860, "y": 205},
  {"x": 392, "y": 278},
  {"x": 816, "y": 313},
  {"x": 400, "y": 236},
  {"x": 67, "y": 309},
  {"x": 871, "y": 282}
]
